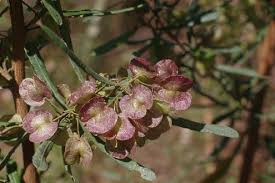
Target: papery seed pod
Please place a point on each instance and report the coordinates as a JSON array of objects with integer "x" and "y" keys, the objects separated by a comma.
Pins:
[
  {"x": 120, "y": 149},
  {"x": 78, "y": 150},
  {"x": 178, "y": 101},
  {"x": 40, "y": 125},
  {"x": 141, "y": 67},
  {"x": 164, "y": 126},
  {"x": 137, "y": 103},
  {"x": 83, "y": 93},
  {"x": 126, "y": 130},
  {"x": 34, "y": 91},
  {"x": 152, "y": 119},
  {"x": 166, "y": 68},
  {"x": 177, "y": 83},
  {"x": 98, "y": 118}
]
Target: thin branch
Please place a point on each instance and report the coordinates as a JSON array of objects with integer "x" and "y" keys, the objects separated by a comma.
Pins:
[{"x": 18, "y": 64}]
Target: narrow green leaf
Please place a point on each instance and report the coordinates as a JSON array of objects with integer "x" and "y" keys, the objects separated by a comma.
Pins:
[
  {"x": 7, "y": 123},
  {"x": 40, "y": 69},
  {"x": 12, "y": 172},
  {"x": 206, "y": 128},
  {"x": 114, "y": 43},
  {"x": 60, "y": 43},
  {"x": 89, "y": 12},
  {"x": 6, "y": 159},
  {"x": 238, "y": 71},
  {"x": 52, "y": 11},
  {"x": 128, "y": 163},
  {"x": 41, "y": 153},
  {"x": 209, "y": 16}
]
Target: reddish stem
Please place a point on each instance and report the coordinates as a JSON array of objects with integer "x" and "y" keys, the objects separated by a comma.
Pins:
[{"x": 18, "y": 64}]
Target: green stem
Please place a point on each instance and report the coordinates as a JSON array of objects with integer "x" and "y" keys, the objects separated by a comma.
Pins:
[
  {"x": 60, "y": 43},
  {"x": 88, "y": 12}
]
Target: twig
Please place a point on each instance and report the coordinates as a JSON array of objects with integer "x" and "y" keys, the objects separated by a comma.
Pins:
[{"x": 18, "y": 64}]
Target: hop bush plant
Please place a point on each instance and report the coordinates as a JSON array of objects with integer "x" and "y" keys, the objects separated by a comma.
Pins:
[
  {"x": 189, "y": 52},
  {"x": 138, "y": 106}
]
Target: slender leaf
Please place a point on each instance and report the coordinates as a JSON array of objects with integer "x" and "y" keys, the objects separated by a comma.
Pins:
[
  {"x": 145, "y": 173},
  {"x": 60, "y": 43},
  {"x": 52, "y": 11},
  {"x": 40, "y": 69},
  {"x": 238, "y": 71},
  {"x": 114, "y": 43},
  {"x": 89, "y": 12},
  {"x": 12, "y": 172},
  {"x": 206, "y": 128},
  {"x": 41, "y": 153},
  {"x": 209, "y": 16},
  {"x": 7, "y": 123},
  {"x": 6, "y": 159}
]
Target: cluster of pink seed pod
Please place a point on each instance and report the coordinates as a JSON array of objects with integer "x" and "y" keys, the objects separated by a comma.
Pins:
[{"x": 138, "y": 110}]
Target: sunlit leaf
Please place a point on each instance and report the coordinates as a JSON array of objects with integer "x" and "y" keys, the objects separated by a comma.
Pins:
[
  {"x": 209, "y": 16},
  {"x": 89, "y": 12},
  {"x": 52, "y": 11},
  {"x": 238, "y": 71},
  {"x": 206, "y": 128}
]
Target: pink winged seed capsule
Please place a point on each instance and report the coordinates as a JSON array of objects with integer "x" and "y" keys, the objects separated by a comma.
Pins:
[
  {"x": 34, "y": 91},
  {"x": 86, "y": 89},
  {"x": 123, "y": 130},
  {"x": 141, "y": 67},
  {"x": 166, "y": 68},
  {"x": 97, "y": 116},
  {"x": 126, "y": 130},
  {"x": 135, "y": 105},
  {"x": 120, "y": 149},
  {"x": 40, "y": 125}
]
